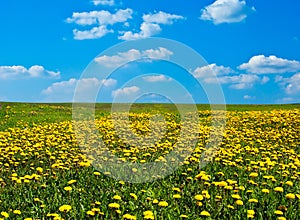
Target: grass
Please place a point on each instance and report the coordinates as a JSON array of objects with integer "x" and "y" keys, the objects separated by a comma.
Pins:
[
  {"x": 45, "y": 175},
  {"x": 36, "y": 113}
]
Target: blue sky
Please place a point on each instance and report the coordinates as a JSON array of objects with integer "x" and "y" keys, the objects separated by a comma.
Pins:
[{"x": 251, "y": 49}]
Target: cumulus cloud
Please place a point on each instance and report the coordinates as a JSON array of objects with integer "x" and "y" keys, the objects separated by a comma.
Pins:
[
  {"x": 261, "y": 64},
  {"x": 213, "y": 74},
  {"x": 99, "y": 18},
  {"x": 210, "y": 70},
  {"x": 104, "y": 2},
  {"x": 241, "y": 81},
  {"x": 64, "y": 90},
  {"x": 157, "y": 78},
  {"x": 226, "y": 11},
  {"x": 291, "y": 84},
  {"x": 94, "y": 33},
  {"x": 151, "y": 25},
  {"x": 133, "y": 54},
  {"x": 126, "y": 91},
  {"x": 16, "y": 72},
  {"x": 161, "y": 18}
]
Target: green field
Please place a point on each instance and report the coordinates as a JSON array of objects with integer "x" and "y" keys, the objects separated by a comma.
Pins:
[
  {"x": 254, "y": 174},
  {"x": 46, "y": 113}
]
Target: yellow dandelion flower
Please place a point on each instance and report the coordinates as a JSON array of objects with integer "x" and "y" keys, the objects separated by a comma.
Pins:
[
  {"x": 149, "y": 217},
  {"x": 163, "y": 204},
  {"x": 230, "y": 207},
  {"x": 155, "y": 201},
  {"x": 199, "y": 203},
  {"x": 97, "y": 173},
  {"x": 71, "y": 182},
  {"x": 183, "y": 216},
  {"x": 39, "y": 169},
  {"x": 95, "y": 210},
  {"x": 290, "y": 196},
  {"x": 236, "y": 196},
  {"x": 205, "y": 213},
  {"x": 68, "y": 188},
  {"x": 5, "y": 214},
  {"x": 278, "y": 189},
  {"x": 239, "y": 202},
  {"x": 91, "y": 213},
  {"x": 128, "y": 216},
  {"x": 176, "y": 196},
  {"x": 17, "y": 212},
  {"x": 114, "y": 205},
  {"x": 52, "y": 215},
  {"x": 278, "y": 212},
  {"x": 253, "y": 200},
  {"x": 134, "y": 196},
  {"x": 199, "y": 197},
  {"x": 117, "y": 197},
  {"x": 253, "y": 174},
  {"x": 265, "y": 191},
  {"x": 250, "y": 212},
  {"x": 148, "y": 212},
  {"x": 176, "y": 189},
  {"x": 65, "y": 208}
]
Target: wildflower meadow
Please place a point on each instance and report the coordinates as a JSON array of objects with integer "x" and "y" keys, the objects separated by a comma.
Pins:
[{"x": 254, "y": 174}]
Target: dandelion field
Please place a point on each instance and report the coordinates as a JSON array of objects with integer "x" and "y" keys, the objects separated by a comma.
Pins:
[{"x": 254, "y": 174}]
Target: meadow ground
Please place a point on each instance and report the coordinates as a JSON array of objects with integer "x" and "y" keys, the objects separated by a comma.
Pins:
[{"x": 254, "y": 174}]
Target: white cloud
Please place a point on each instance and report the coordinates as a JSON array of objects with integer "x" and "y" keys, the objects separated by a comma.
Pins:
[
  {"x": 109, "y": 82},
  {"x": 147, "y": 30},
  {"x": 292, "y": 84},
  {"x": 126, "y": 91},
  {"x": 104, "y": 2},
  {"x": 14, "y": 72},
  {"x": 94, "y": 33},
  {"x": 287, "y": 100},
  {"x": 265, "y": 79},
  {"x": 61, "y": 87},
  {"x": 278, "y": 78},
  {"x": 261, "y": 64},
  {"x": 242, "y": 81},
  {"x": 226, "y": 11},
  {"x": 151, "y": 25},
  {"x": 64, "y": 90},
  {"x": 248, "y": 97},
  {"x": 99, "y": 18},
  {"x": 161, "y": 18},
  {"x": 157, "y": 78},
  {"x": 133, "y": 54},
  {"x": 213, "y": 74},
  {"x": 210, "y": 70}
]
